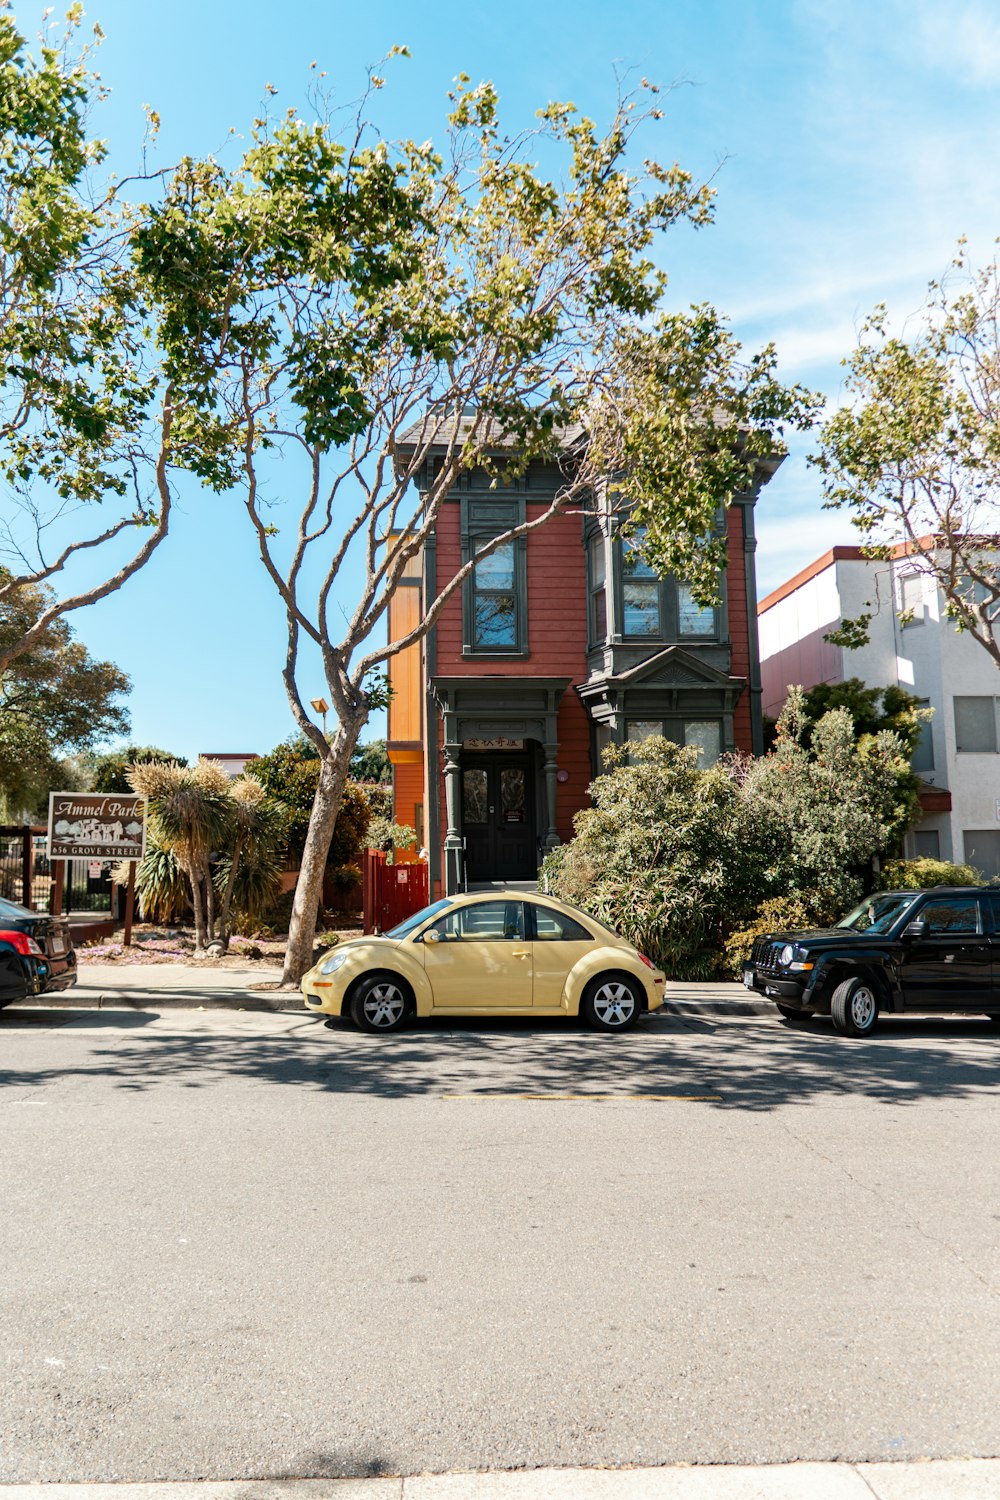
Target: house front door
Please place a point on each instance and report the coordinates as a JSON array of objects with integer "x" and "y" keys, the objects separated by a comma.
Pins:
[{"x": 498, "y": 817}]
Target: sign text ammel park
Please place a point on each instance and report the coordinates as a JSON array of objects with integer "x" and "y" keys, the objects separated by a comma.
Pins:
[{"x": 90, "y": 825}]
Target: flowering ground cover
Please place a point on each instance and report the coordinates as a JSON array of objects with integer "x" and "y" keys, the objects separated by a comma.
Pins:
[{"x": 172, "y": 945}]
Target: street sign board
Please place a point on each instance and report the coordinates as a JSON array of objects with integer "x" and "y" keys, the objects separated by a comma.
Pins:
[{"x": 92, "y": 825}]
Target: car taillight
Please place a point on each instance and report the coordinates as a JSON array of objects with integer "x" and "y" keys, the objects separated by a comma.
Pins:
[
  {"x": 21, "y": 943},
  {"x": 647, "y": 961}
]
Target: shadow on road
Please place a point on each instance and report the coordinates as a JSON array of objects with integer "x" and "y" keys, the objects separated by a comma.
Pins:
[{"x": 754, "y": 1066}]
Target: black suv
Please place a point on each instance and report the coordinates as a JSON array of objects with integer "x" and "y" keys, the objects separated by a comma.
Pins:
[{"x": 936, "y": 950}]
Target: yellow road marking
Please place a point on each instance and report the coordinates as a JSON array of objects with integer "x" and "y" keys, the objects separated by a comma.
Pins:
[{"x": 587, "y": 1098}]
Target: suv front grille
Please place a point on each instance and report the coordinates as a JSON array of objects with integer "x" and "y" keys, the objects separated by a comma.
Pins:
[{"x": 765, "y": 955}]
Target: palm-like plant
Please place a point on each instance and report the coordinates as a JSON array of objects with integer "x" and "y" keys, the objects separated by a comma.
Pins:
[
  {"x": 249, "y": 877},
  {"x": 161, "y": 886},
  {"x": 194, "y": 813}
]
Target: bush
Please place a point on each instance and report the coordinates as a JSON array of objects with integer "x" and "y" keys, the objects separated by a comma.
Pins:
[
  {"x": 290, "y": 774},
  {"x": 783, "y": 914},
  {"x": 921, "y": 874},
  {"x": 278, "y": 914},
  {"x": 676, "y": 858},
  {"x": 668, "y": 855}
]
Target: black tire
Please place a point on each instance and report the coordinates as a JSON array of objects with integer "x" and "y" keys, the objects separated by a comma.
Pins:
[
  {"x": 612, "y": 1002},
  {"x": 791, "y": 1014},
  {"x": 381, "y": 1003},
  {"x": 854, "y": 1007}
]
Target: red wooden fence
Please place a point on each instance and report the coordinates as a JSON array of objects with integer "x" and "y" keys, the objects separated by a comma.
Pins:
[{"x": 391, "y": 892}]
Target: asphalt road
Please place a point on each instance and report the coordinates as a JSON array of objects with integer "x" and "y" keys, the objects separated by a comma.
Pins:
[{"x": 249, "y": 1246}]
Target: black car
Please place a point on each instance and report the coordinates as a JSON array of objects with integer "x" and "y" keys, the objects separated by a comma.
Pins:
[
  {"x": 21, "y": 967},
  {"x": 935, "y": 950},
  {"x": 57, "y": 961}
]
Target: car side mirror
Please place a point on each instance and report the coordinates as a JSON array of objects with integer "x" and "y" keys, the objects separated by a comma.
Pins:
[
  {"x": 916, "y": 929},
  {"x": 431, "y": 937}
]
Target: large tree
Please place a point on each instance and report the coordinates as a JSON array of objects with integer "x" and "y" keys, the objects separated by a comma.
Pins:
[
  {"x": 331, "y": 293},
  {"x": 914, "y": 453},
  {"x": 54, "y": 700},
  {"x": 85, "y": 418}
]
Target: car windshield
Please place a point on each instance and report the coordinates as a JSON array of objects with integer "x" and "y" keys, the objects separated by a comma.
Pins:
[
  {"x": 11, "y": 909},
  {"x": 418, "y": 918},
  {"x": 878, "y": 913}
]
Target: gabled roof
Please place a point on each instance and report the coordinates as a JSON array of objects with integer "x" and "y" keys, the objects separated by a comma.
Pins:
[
  {"x": 445, "y": 429},
  {"x": 671, "y": 667}
]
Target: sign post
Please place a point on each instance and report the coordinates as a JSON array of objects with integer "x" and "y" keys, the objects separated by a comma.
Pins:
[
  {"x": 92, "y": 825},
  {"x": 129, "y": 903}
]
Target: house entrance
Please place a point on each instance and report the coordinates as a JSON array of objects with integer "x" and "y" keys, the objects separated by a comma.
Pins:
[{"x": 498, "y": 817}]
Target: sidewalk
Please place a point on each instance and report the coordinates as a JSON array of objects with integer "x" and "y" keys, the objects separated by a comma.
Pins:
[
  {"x": 191, "y": 986},
  {"x": 945, "y": 1479},
  {"x": 194, "y": 986}
]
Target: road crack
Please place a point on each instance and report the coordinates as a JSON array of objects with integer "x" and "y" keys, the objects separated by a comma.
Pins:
[{"x": 897, "y": 1205}]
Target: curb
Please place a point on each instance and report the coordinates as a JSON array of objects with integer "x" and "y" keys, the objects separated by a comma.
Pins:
[
  {"x": 717, "y": 1008},
  {"x": 289, "y": 1003},
  {"x": 933, "y": 1479},
  {"x": 142, "y": 1000}
]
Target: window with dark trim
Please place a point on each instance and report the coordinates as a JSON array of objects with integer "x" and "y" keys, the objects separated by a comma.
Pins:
[
  {"x": 642, "y": 612},
  {"x": 494, "y": 601},
  {"x": 655, "y": 608},
  {"x": 694, "y": 619},
  {"x": 705, "y": 735},
  {"x": 598, "y": 583},
  {"x": 495, "y": 596}
]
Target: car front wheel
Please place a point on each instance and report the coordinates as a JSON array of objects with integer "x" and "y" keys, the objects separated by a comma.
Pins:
[
  {"x": 791, "y": 1014},
  {"x": 612, "y": 1003},
  {"x": 854, "y": 1007},
  {"x": 380, "y": 1003}
]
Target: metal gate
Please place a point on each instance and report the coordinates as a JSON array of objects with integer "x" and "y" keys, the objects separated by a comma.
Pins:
[{"x": 392, "y": 892}]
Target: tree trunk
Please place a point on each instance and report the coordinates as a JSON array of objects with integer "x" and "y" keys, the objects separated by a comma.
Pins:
[
  {"x": 322, "y": 821},
  {"x": 209, "y": 889},
  {"x": 199, "y": 911},
  {"x": 227, "y": 895}
]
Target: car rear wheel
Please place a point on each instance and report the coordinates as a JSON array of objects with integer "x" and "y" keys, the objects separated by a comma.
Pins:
[
  {"x": 854, "y": 1007},
  {"x": 612, "y": 1003},
  {"x": 380, "y": 1003}
]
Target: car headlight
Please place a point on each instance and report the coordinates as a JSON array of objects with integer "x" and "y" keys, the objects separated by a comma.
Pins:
[
  {"x": 787, "y": 953},
  {"x": 334, "y": 962}
]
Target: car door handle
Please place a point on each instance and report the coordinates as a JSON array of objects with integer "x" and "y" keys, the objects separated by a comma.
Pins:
[{"x": 520, "y": 953}]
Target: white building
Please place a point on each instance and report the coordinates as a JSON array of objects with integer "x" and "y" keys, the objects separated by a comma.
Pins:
[{"x": 959, "y": 755}]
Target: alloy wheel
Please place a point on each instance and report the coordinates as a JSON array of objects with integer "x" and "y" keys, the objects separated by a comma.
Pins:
[
  {"x": 384, "y": 1005},
  {"x": 862, "y": 1007},
  {"x": 614, "y": 1003}
]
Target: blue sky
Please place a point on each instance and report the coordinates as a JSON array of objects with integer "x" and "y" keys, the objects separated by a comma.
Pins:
[{"x": 851, "y": 145}]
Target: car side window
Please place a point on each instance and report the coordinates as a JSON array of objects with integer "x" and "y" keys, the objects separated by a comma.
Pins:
[
  {"x": 991, "y": 915},
  {"x": 485, "y": 921},
  {"x": 954, "y": 914},
  {"x": 556, "y": 927}
]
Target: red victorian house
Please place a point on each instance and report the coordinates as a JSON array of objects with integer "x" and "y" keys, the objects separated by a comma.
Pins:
[{"x": 561, "y": 643}]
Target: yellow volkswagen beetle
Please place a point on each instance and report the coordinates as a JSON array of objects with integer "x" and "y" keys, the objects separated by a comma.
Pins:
[{"x": 499, "y": 953}]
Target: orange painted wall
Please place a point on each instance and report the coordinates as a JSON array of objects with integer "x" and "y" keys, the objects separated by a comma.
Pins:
[
  {"x": 405, "y": 718},
  {"x": 408, "y": 796}
]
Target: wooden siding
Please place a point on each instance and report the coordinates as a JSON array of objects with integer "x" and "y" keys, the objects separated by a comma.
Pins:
[
  {"x": 739, "y": 634},
  {"x": 405, "y": 718},
  {"x": 557, "y": 603},
  {"x": 557, "y": 639},
  {"x": 407, "y": 796}
]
